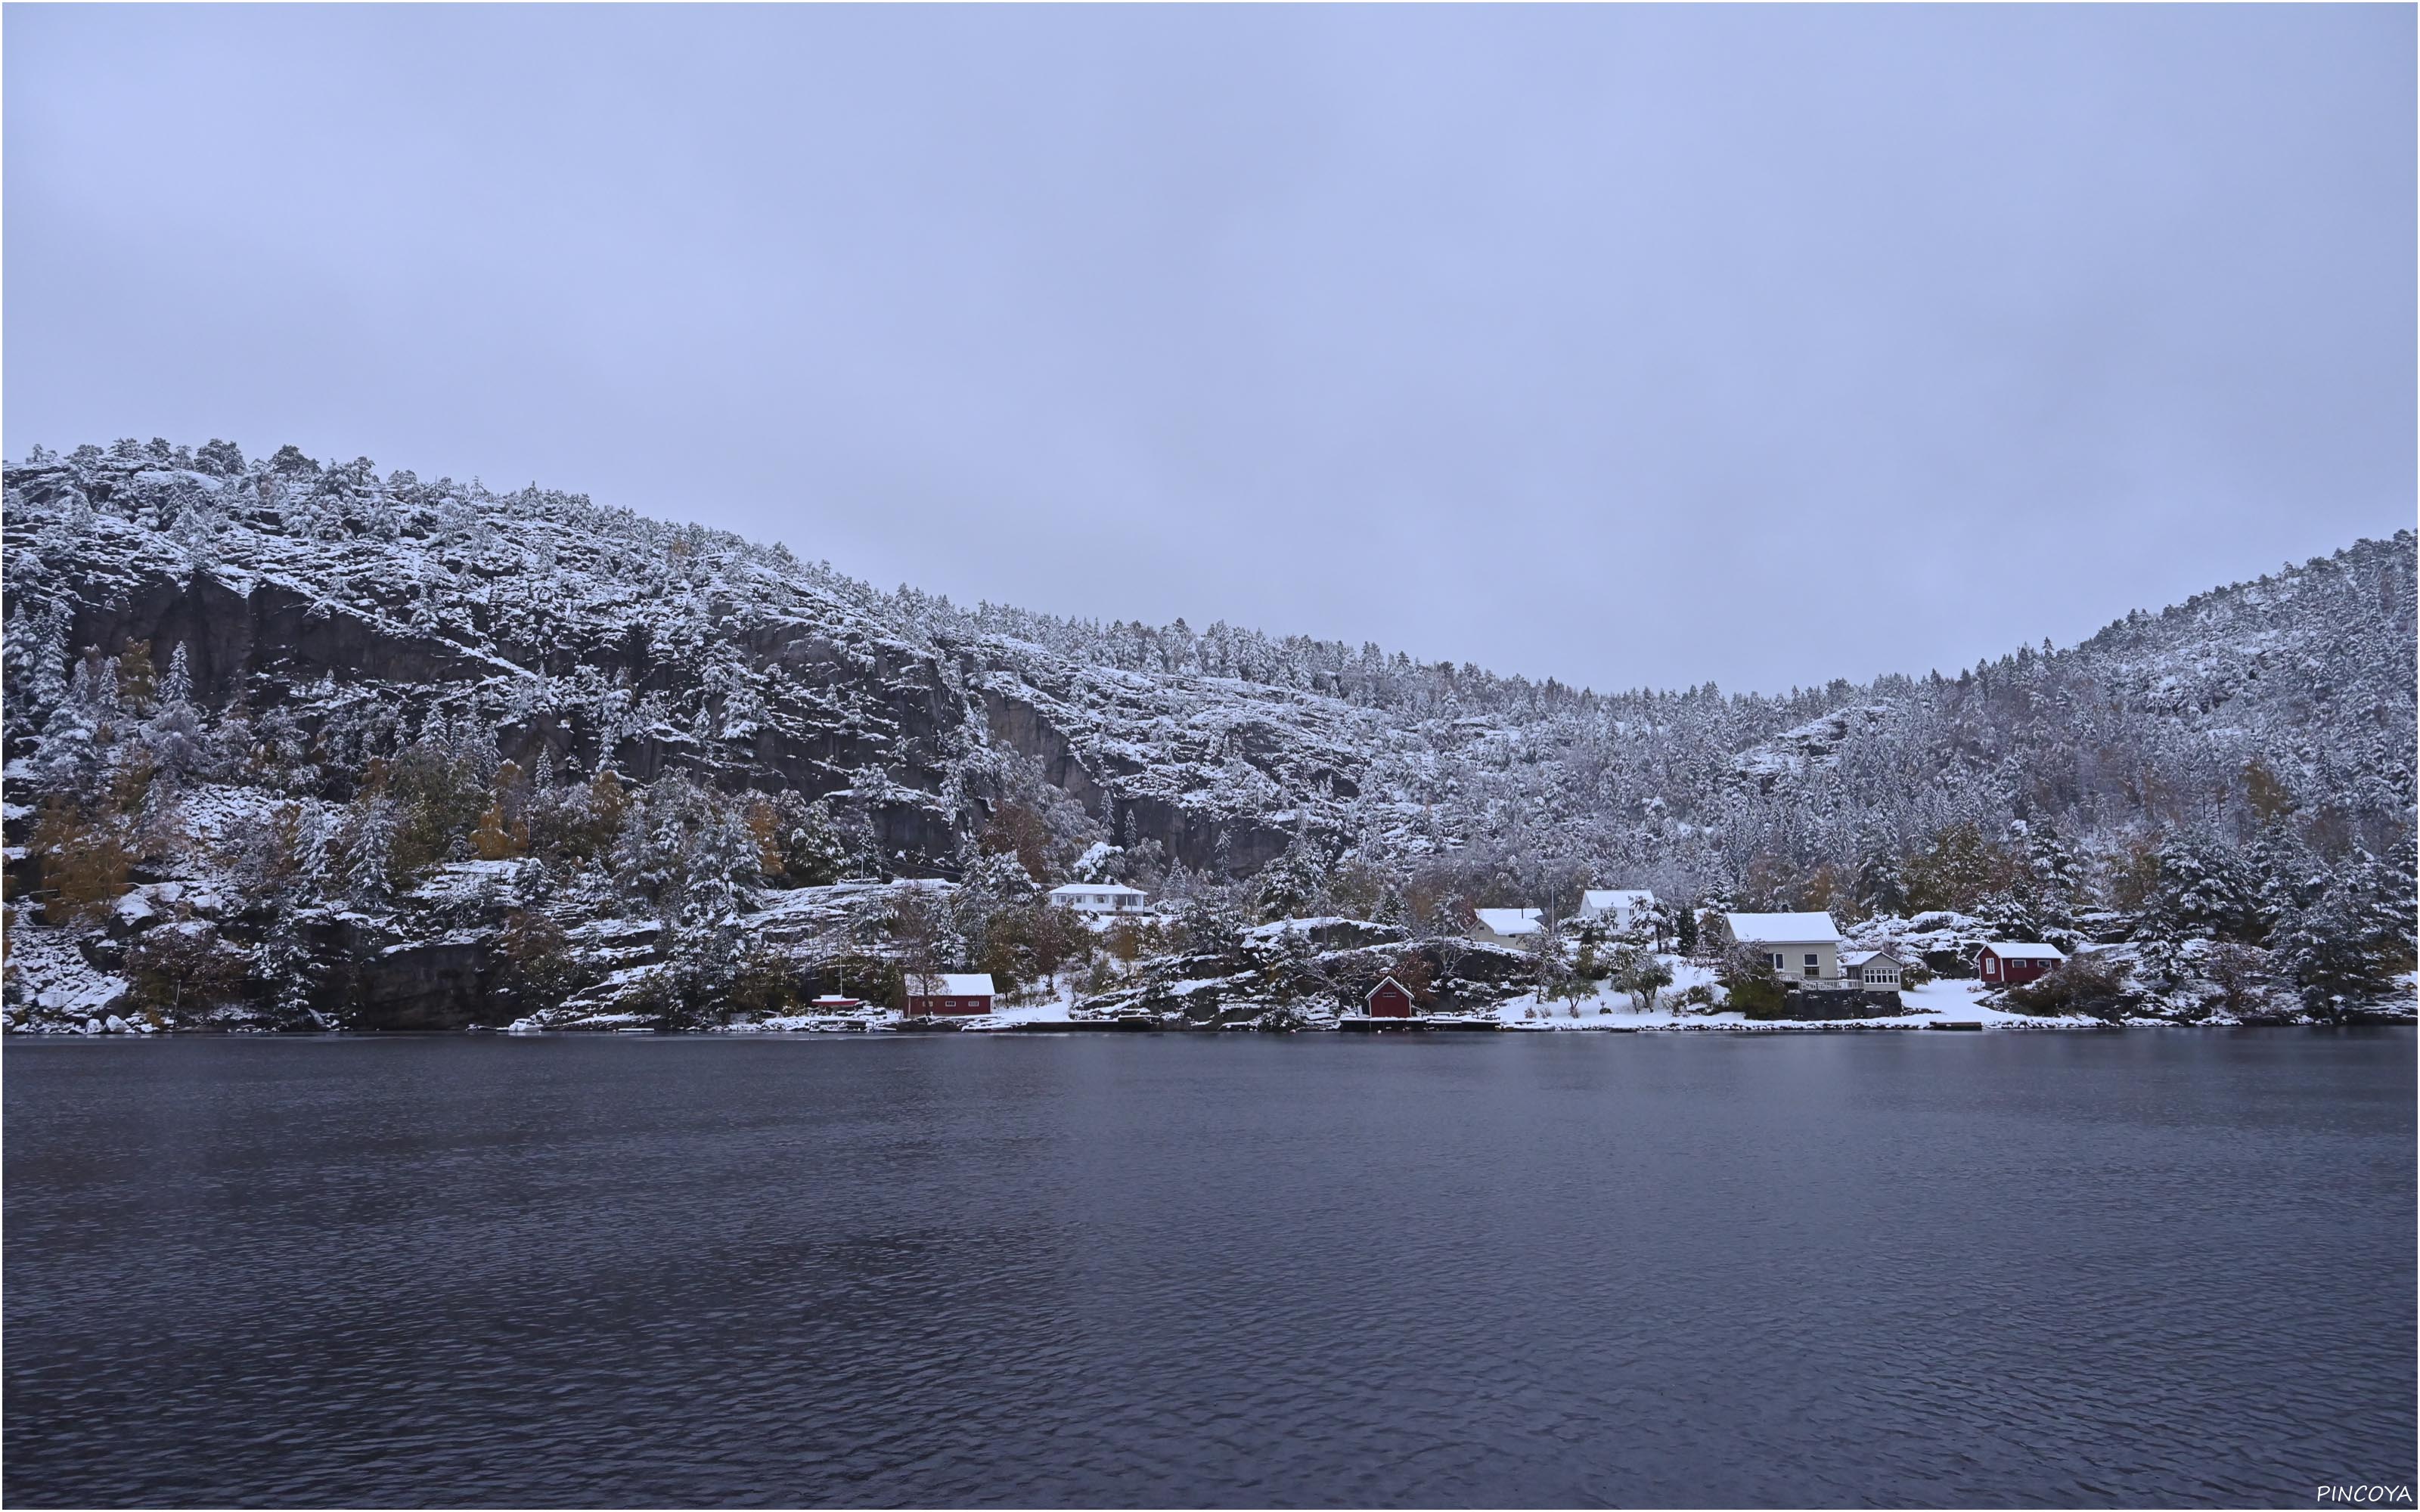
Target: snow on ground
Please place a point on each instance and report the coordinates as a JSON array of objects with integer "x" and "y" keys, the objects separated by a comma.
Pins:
[
  {"x": 1607, "y": 1009},
  {"x": 1961, "y": 1000},
  {"x": 1278, "y": 929},
  {"x": 1604, "y": 1010},
  {"x": 882, "y": 1022},
  {"x": 468, "y": 882},
  {"x": 56, "y": 977},
  {"x": 1941, "y": 1000},
  {"x": 1053, "y": 1009},
  {"x": 218, "y": 814},
  {"x": 1057, "y": 1008}
]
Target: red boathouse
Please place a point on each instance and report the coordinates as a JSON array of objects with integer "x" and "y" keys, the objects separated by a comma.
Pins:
[
  {"x": 950, "y": 994},
  {"x": 2010, "y": 963},
  {"x": 1389, "y": 999}
]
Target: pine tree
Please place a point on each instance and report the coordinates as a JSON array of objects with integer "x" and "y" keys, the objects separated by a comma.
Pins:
[
  {"x": 37, "y": 655},
  {"x": 473, "y": 743},
  {"x": 2207, "y": 890},
  {"x": 2010, "y": 913},
  {"x": 178, "y": 687},
  {"x": 282, "y": 963},
  {"x": 220, "y": 459},
  {"x": 2057, "y": 876},
  {"x": 174, "y": 738},
  {"x": 1959, "y": 871},
  {"x": 2323, "y": 951},
  {"x": 367, "y": 853},
  {"x": 1294, "y": 884},
  {"x": 94, "y": 685}
]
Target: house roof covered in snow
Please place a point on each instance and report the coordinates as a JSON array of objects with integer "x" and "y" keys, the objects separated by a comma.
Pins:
[
  {"x": 2024, "y": 950},
  {"x": 1616, "y": 897},
  {"x": 1867, "y": 958},
  {"x": 1097, "y": 889},
  {"x": 958, "y": 984},
  {"x": 1783, "y": 929},
  {"x": 1508, "y": 920}
]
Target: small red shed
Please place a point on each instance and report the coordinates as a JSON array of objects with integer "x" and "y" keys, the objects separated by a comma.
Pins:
[
  {"x": 950, "y": 994},
  {"x": 1389, "y": 999},
  {"x": 2010, "y": 963}
]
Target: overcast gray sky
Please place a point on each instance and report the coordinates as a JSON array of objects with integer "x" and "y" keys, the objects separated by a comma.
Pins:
[{"x": 1625, "y": 346}]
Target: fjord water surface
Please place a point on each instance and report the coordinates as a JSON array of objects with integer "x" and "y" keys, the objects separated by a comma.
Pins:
[{"x": 1570, "y": 1269}]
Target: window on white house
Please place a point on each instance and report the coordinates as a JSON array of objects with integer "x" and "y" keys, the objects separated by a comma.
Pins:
[{"x": 1776, "y": 961}]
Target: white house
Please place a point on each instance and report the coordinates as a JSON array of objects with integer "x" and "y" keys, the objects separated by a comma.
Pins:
[
  {"x": 1100, "y": 897},
  {"x": 1802, "y": 947},
  {"x": 1508, "y": 926},
  {"x": 1872, "y": 968},
  {"x": 1615, "y": 906}
]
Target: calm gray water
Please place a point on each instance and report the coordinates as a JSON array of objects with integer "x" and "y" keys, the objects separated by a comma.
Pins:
[{"x": 1530, "y": 1270}]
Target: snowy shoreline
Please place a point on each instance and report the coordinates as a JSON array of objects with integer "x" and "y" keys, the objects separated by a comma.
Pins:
[
  {"x": 1941, "y": 1004},
  {"x": 2372, "y": 1020}
]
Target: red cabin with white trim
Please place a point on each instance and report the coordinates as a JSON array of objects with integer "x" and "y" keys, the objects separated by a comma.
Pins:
[
  {"x": 2013, "y": 962},
  {"x": 1389, "y": 999}
]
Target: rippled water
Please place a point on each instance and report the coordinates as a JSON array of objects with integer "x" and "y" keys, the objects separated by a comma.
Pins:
[{"x": 1534, "y": 1270}]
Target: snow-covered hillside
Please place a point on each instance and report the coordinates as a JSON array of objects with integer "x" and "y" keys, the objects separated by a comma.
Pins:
[{"x": 318, "y": 685}]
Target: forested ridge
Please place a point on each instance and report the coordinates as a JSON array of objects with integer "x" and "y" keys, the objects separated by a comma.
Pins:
[{"x": 297, "y": 742}]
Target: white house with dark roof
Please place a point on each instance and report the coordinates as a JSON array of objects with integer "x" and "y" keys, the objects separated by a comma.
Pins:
[{"x": 1803, "y": 948}]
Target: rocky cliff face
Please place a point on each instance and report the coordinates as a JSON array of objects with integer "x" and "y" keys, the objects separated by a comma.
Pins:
[{"x": 593, "y": 638}]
